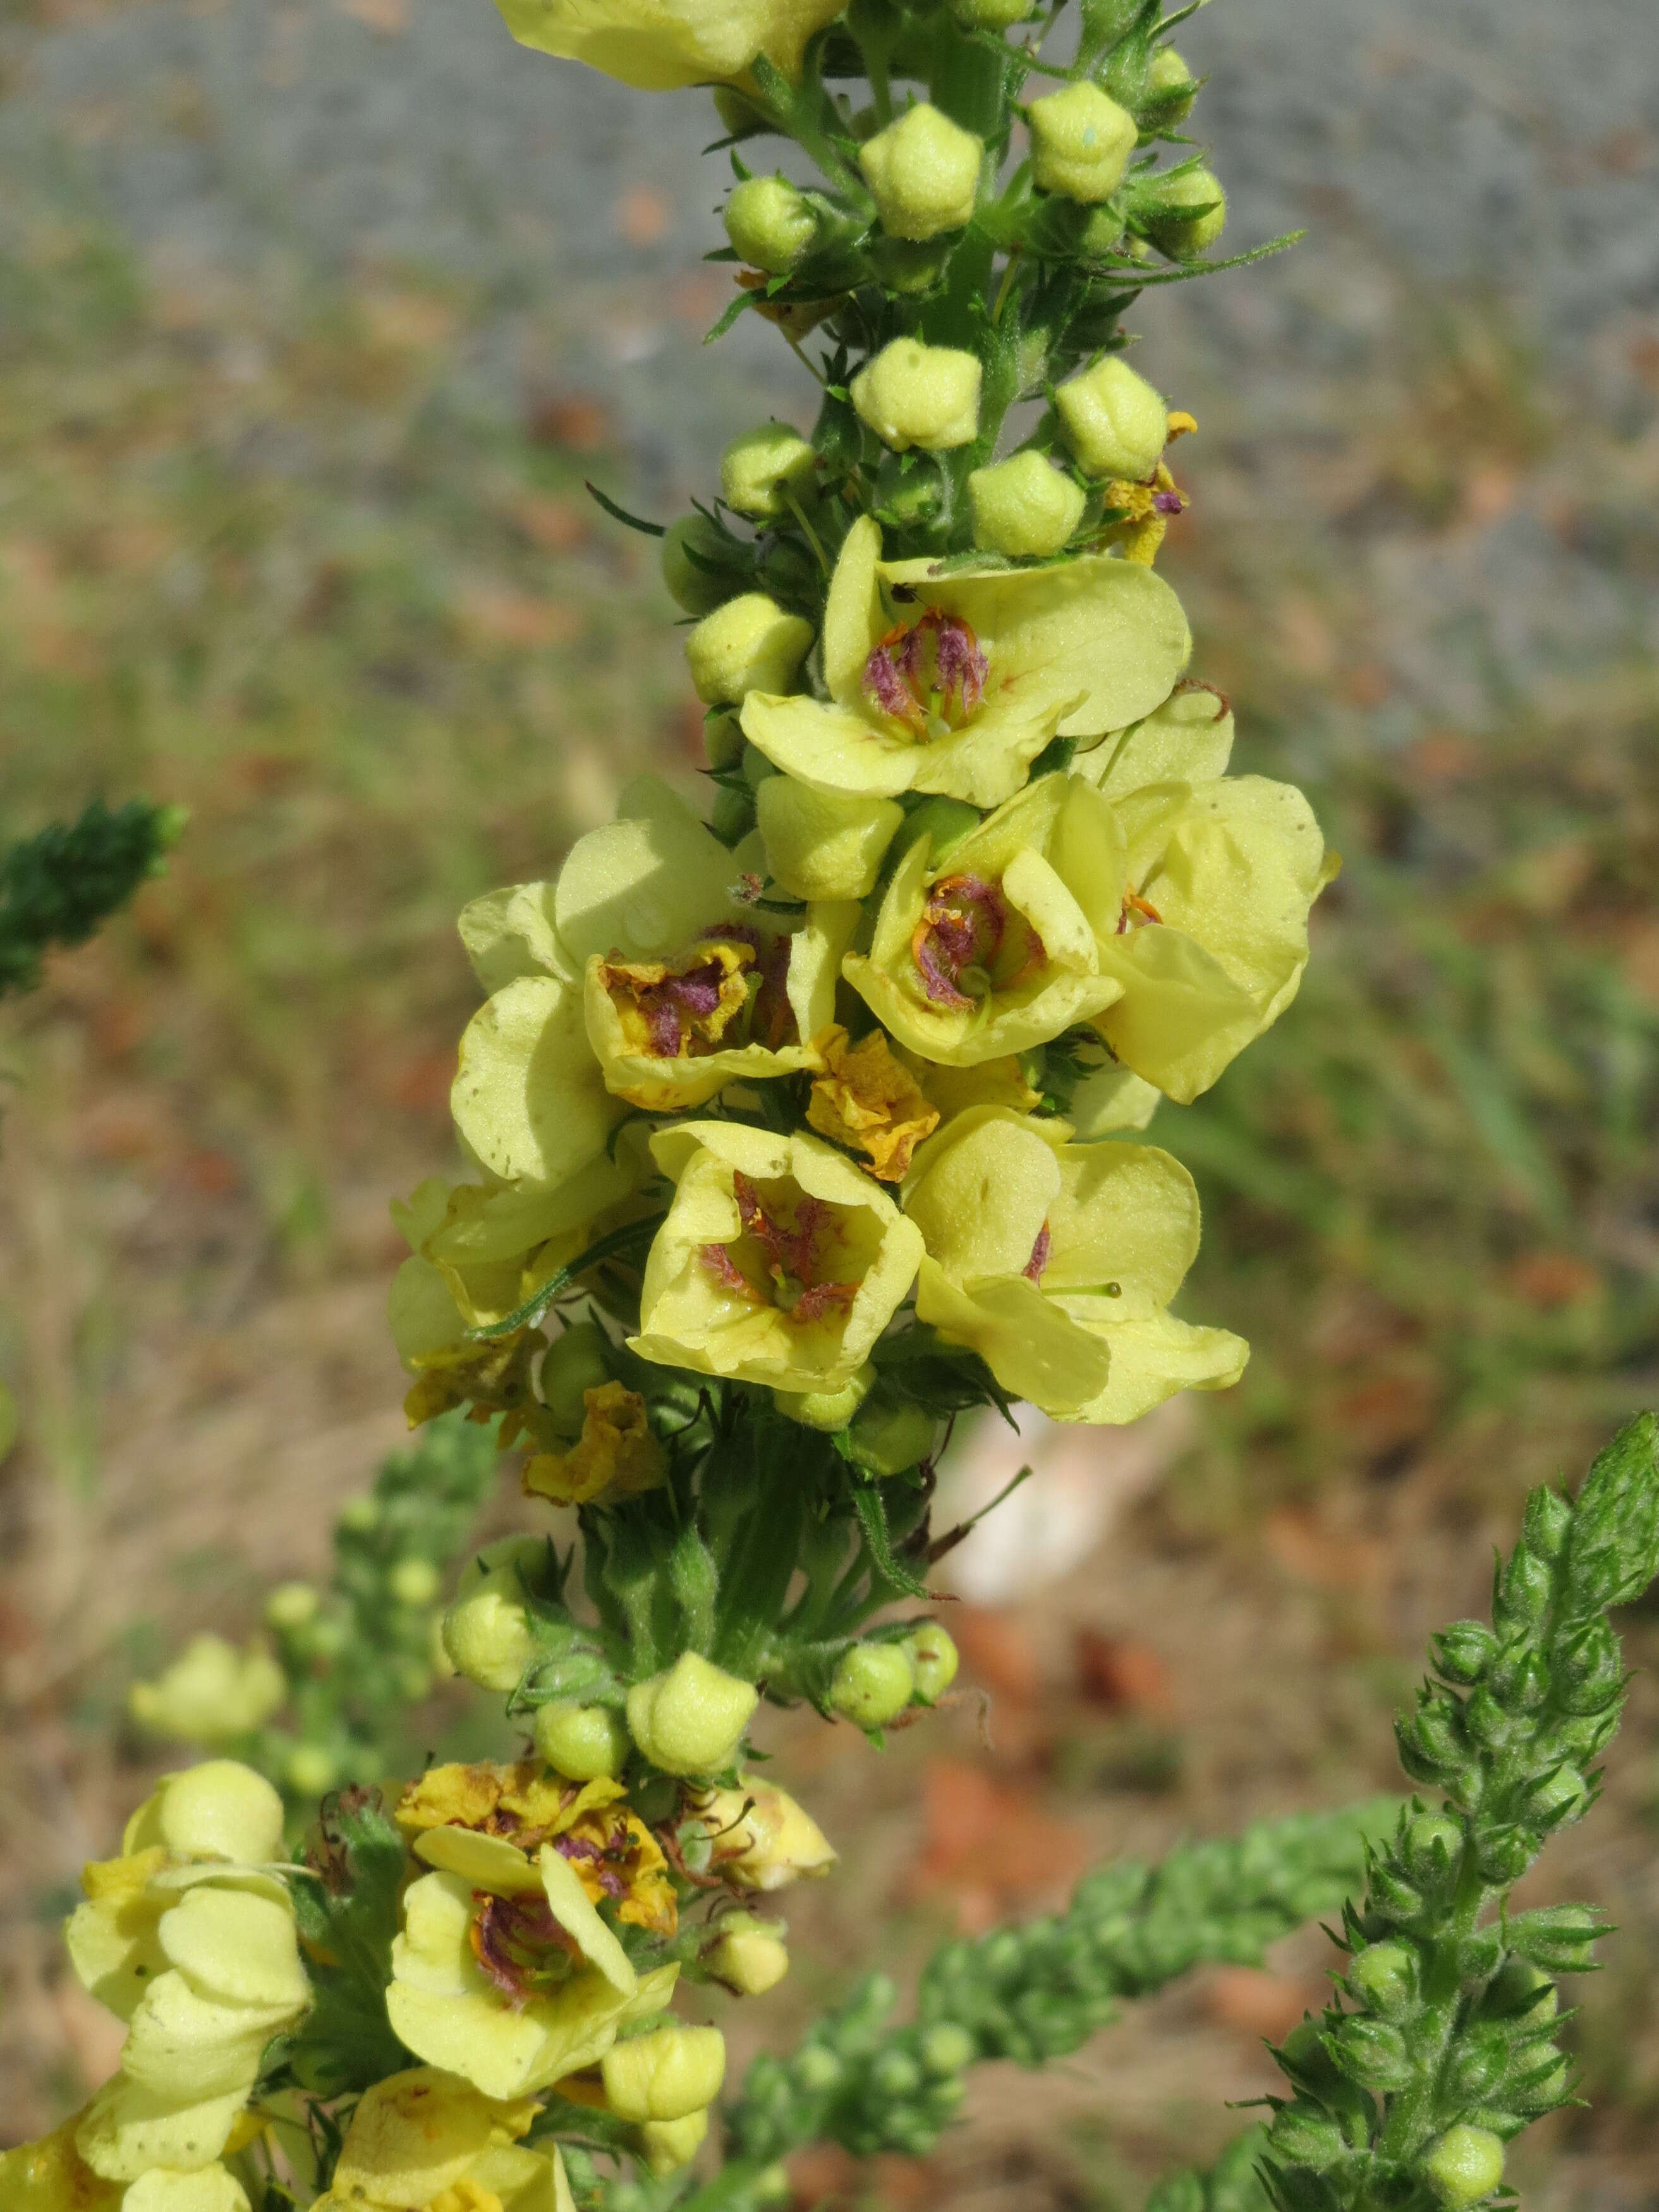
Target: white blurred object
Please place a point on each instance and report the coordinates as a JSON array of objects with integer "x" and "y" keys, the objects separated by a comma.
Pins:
[{"x": 1081, "y": 1480}]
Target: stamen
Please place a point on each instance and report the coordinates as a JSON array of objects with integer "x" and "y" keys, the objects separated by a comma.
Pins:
[{"x": 1033, "y": 1267}]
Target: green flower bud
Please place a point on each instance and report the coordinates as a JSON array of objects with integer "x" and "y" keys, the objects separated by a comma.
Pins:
[
  {"x": 211, "y": 1693},
  {"x": 891, "y": 1434},
  {"x": 690, "y": 586},
  {"x": 723, "y": 740},
  {"x": 946, "y": 821},
  {"x": 748, "y": 1956},
  {"x": 1188, "y": 213},
  {"x": 923, "y": 173},
  {"x": 817, "y": 2070},
  {"x": 748, "y": 645},
  {"x": 1172, "y": 85},
  {"x": 947, "y": 2050},
  {"x": 1463, "y": 1652},
  {"x": 309, "y": 1771},
  {"x": 872, "y": 1684},
  {"x": 414, "y": 1581},
  {"x": 1384, "y": 1976},
  {"x": 327, "y": 1637},
  {"x": 667, "y": 2145},
  {"x": 1518, "y": 1986},
  {"x": 826, "y": 1409},
  {"x": 665, "y": 2075},
  {"x": 761, "y": 469},
  {"x": 1081, "y": 142},
  {"x": 913, "y": 394},
  {"x": 933, "y": 1660},
  {"x": 1302, "y": 2136},
  {"x": 488, "y": 1632},
  {"x": 739, "y": 114},
  {"x": 896, "y": 2075},
  {"x": 756, "y": 768},
  {"x": 770, "y": 224},
  {"x": 588, "y": 1743},
  {"x": 900, "y": 266},
  {"x": 1024, "y": 508},
  {"x": 990, "y": 15},
  {"x": 291, "y": 1606},
  {"x": 1464, "y": 2166},
  {"x": 1114, "y": 422},
  {"x": 358, "y": 1516},
  {"x": 572, "y": 1365},
  {"x": 1434, "y": 1845},
  {"x": 691, "y": 1719}
]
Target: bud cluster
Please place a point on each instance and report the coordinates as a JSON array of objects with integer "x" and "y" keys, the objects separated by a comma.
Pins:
[{"x": 1441, "y": 2044}]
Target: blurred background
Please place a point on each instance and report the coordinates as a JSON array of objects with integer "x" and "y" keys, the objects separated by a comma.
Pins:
[{"x": 314, "y": 315}]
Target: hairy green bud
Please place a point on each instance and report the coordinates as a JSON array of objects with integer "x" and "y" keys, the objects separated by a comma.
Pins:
[
  {"x": 923, "y": 173},
  {"x": 1171, "y": 88},
  {"x": 770, "y": 224},
  {"x": 588, "y": 1743},
  {"x": 1384, "y": 1976},
  {"x": 933, "y": 1660},
  {"x": 1183, "y": 215},
  {"x": 872, "y": 1684},
  {"x": 689, "y": 581},
  {"x": 1464, "y": 2166}
]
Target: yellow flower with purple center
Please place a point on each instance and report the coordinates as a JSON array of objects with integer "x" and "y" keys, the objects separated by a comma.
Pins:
[
  {"x": 998, "y": 950},
  {"x": 1056, "y": 1262},
  {"x": 778, "y": 1263},
  {"x": 506, "y": 1971},
  {"x": 955, "y": 683}
]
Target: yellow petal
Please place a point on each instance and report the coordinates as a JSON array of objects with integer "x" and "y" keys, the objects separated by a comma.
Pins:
[
  {"x": 184, "y": 2046},
  {"x": 1033, "y": 1348},
  {"x": 1152, "y": 1359},
  {"x": 665, "y": 2073},
  {"x": 528, "y": 1098},
  {"x": 512, "y": 932},
  {"x": 483, "y": 1861},
  {"x": 412, "y": 2136},
  {"x": 982, "y": 1191},
  {"x": 50, "y": 2176},
  {"x": 571, "y": 1909},
  {"x": 126, "y": 2129},
  {"x": 113, "y": 1943},
  {"x": 1186, "y": 740},
  {"x": 824, "y": 844},
  {"x": 657, "y": 44},
  {"x": 644, "y": 885},
  {"x": 1127, "y": 1215},
  {"x": 237, "y": 1948},
  {"x": 213, "y": 2188},
  {"x": 220, "y": 1809}
]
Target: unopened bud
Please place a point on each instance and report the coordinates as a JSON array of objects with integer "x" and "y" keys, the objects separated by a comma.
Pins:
[
  {"x": 667, "y": 2074},
  {"x": 572, "y": 1365},
  {"x": 1548, "y": 1518},
  {"x": 1114, "y": 422},
  {"x": 291, "y": 1604},
  {"x": 1434, "y": 1845},
  {"x": 1564, "y": 1796},
  {"x": 1372, "y": 2052},
  {"x": 732, "y": 815},
  {"x": 923, "y": 173},
  {"x": 1384, "y": 1976},
  {"x": 690, "y": 1720},
  {"x": 414, "y": 1581},
  {"x": 587, "y": 1743},
  {"x": 488, "y": 1632},
  {"x": 748, "y": 645},
  {"x": 1081, "y": 142},
  {"x": 1303, "y": 2136},
  {"x": 913, "y": 394},
  {"x": 933, "y": 1660},
  {"x": 700, "y": 584},
  {"x": 902, "y": 266},
  {"x": 889, "y": 1435},
  {"x": 748, "y": 1956},
  {"x": 1558, "y": 1938},
  {"x": 872, "y": 1684},
  {"x": 946, "y": 2050},
  {"x": 1463, "y": 1652},
  {"x": 1464, "y": 2166},
  {"x": 770, "y": 224},
  {"x": 1024, "y": 508},
  {"x": 760, "y": 470},
  {"x": 358, "y": 1516},
  {"x": 309, "y": 1770},
  {"x": 667, "y": 2145},
  {"x": 1184, "y": 214},
  {"x": 218, "y": 1809},
  {"x": 1171, "y": 88},
  {"x": 819, "y": 1409},
  {"x": 762, "y": 1840}
]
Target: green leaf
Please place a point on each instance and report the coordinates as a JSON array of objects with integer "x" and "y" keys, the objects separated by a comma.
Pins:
[
  {"x": 58, "y": 885},
  {"x": 347, "y": 1909}
]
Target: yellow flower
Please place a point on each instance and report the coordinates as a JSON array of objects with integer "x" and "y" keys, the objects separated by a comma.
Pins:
[
  {"x": 504, "y": 1972},
  {"x": 955, "y": 683},
  {"x": 211, "y": 1692},
  {"x": 1056, "y": 1263},
  {"x": 998, "y": 950},
  {"x": 52, "y": 2175},
  {"x": 1212, "y": 935},
  {"x": 615, "y": 1855},
  {"x": 778, "y": 1263},
  {"x": 615, "y": 1454},
  {"x": 870, "y": 1102},
  {"x": 660, "y": 43},
  {"x": 686, "y": 988},
  {"x": 425, "y": 2140},
  {"x": 761, "y": 1839},
  {"x": 189, "y": 1940}
]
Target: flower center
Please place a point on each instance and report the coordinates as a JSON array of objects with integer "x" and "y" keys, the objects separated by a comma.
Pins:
[
  {"x": 1142, "y": 908},
  {"x": 521, "y": 1946},
  {"x": 929, "y": 675},
  {"x": 1033, "y": 1267},
  {"x": 969, "y": 943},
  {"x": 780, "y": 1258},
  {"x": 729, "y": 989}
]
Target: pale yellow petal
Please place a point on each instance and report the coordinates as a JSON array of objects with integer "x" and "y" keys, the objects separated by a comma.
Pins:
[
  {"x": 853, "y": 617},
  {"x": 512, "y": 932},
  {"x": 1152, "y": 1359},
  {"x": 184, "y": 2046},
  {"x": 126, "y": 2129},
  {"x": 1127, "y": 1214},
  {"x": 412, "y": 2136},
  {"x": 237, "y": 1948},
  {"x": 981, "y": 1191},
  {"x": 1034, "y": 1349},
  {"x": 212, "y": 2188},
  {"x": 1186, "y": 740},
  {"x": 528, "y": 1097},
  {"x": 579, "y": 1919},
  {"x": 488, "y": 1862}
]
